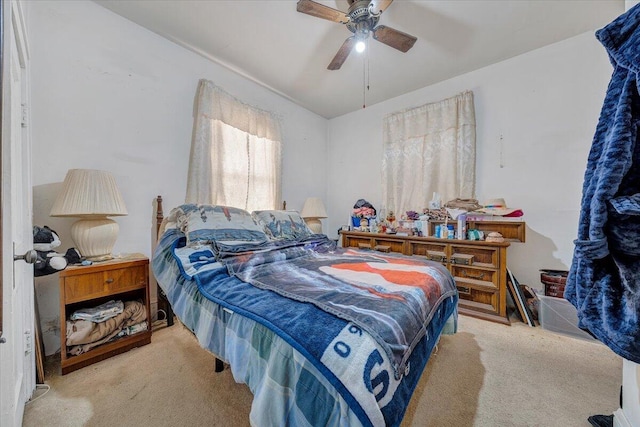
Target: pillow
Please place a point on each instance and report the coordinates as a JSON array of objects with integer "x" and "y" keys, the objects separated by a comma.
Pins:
[
  {"x": 282, "y": 225},
  {"x": 218, "y": 225}
]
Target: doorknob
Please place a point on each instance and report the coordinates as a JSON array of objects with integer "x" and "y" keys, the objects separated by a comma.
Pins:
[{"x": 30, "y": 257}]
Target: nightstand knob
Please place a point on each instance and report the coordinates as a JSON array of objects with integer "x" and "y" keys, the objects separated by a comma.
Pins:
[{"x": 109, "y": 280}]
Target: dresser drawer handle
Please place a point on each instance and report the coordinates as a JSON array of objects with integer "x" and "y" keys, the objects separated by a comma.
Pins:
[
  {"x": 464, "y": 290},
  {"x": 109, "y": 280},
  {"x": 472, "y": 276}
]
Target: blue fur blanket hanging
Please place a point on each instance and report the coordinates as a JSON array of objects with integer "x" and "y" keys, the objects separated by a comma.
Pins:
[{"x": 604, "y": 280}]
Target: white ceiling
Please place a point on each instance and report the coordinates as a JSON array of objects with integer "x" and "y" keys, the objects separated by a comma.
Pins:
[{"x": 271, "y": 43}]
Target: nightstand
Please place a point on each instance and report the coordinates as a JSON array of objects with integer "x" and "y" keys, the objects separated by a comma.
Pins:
[{"x": 89, "y": 286}]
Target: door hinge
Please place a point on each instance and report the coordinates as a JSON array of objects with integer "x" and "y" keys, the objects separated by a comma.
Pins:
[
  {"x": 25, "y": 115},
  {"x": 27, "y": 342}
]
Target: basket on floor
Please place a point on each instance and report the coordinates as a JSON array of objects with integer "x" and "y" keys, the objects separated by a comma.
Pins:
[{"x": 554, "y": 282}]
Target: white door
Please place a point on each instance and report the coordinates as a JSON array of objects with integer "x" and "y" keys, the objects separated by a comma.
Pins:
[{"x": 17, "y": 360}]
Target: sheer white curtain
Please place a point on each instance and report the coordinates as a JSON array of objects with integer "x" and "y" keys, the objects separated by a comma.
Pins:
[
  {"x": 235, "y": 153},
  {"x": 429, "y": 149}
]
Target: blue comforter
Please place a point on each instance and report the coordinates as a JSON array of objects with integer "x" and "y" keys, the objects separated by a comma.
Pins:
[
  {"x": 333, "y": 343},
  {"x": 390, "y": 297}
]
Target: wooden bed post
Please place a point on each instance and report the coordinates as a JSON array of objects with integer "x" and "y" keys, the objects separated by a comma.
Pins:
[
  {"x": 162, "y": 298},
  {"x": 159, "y": 215}
]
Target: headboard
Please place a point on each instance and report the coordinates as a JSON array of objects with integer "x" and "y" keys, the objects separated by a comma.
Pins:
[{"x": 160, "y": 214}]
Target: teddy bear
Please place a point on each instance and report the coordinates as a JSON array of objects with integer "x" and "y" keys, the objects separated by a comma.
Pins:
[{"x": 45, "y": 240}]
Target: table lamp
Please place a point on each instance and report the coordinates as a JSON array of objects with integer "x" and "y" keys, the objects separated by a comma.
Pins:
[
  {"x": 92, "y": 196},
  {"x": 312, "y": 211}
]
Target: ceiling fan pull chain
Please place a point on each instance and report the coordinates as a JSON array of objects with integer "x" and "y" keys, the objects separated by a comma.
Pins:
[
  {"x": 368, "y": 67},
  {"x": 366, "y": 75},
  {"x": 364, "y": 81}
]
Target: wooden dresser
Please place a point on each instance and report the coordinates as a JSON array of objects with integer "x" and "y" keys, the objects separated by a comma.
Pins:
[
  {"x": 479, "y": 268},
  {"x": 90, "y": 286}
]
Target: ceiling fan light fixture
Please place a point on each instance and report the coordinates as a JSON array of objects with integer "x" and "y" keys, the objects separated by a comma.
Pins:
[{"x": 362, "y": 20}]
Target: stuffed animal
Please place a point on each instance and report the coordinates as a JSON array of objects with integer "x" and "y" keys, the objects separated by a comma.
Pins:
[{"x": 45, "y": 240}]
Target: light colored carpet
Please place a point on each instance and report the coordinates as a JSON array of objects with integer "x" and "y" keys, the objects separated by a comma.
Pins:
[{"x": 485, "y": 375}]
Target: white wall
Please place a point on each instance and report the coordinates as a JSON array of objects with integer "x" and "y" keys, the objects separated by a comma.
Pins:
[
  {"x": 108, "y": 94},
  {"x": 536, "y": 115}
]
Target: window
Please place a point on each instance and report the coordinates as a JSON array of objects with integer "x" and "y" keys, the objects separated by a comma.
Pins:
[
  {"x": 429, "y": 149},
  {"x": 235, "y": 153}
]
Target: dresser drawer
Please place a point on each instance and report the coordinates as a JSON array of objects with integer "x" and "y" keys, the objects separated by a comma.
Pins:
[
  {"x": 430, "y": 250},
  {"x": 475, "y": 277},
  {"x": 484, "y": 256},
  {"x": 394, "y": 245},
  {"x": 81, "y": 287},
  {"x": 358, "y": 242},
  {"x": 478, "y": 299},
  {"x": 478, "y": 288}
]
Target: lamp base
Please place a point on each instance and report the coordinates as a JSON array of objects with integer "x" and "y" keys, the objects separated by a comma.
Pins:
[
  {"x": 314, "y": 225},
  {"x": 95, "y": 237}
]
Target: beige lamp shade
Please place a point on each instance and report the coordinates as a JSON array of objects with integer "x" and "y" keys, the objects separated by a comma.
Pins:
[
  {"x": 91, "y": 195},
  {"x": 89, "y": 192},
  {"x": 312, "y": 210}
]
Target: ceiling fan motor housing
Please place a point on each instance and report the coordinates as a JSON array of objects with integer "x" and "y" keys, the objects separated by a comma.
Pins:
[{"x": 361, "y": 19}]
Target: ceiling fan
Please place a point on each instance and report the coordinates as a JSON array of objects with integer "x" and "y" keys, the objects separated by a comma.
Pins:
[{"x": 362, "y": 20}]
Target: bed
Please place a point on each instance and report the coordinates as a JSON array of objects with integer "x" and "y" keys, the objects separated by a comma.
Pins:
[{"x": 320, "y": 334}]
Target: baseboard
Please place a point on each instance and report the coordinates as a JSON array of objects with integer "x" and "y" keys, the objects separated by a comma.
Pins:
[{"x": 620, "y": 419}]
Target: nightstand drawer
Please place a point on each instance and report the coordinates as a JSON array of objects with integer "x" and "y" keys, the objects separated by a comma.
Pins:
[{"x": 95, "y": 285}]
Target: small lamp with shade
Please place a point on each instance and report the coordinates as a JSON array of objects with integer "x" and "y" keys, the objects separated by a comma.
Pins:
[
  {"x": 92, "y": 196},
  {"x": 312, "y": 211}
]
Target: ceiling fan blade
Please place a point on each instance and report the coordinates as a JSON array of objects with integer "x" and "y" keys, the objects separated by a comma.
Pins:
[
  {"x": 321, "y": 11},
  {"x": 378, "y": 6},
  {"x": 342, "y": 54},
  {"x": 394, "y": 38}
]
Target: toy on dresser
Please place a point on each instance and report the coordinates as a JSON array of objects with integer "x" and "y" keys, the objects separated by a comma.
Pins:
[{"x": 45, "y": 240}]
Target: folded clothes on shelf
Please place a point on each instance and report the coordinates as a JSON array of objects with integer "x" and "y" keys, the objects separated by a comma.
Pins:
[
  {"x": 100, "y": 313},
  {"x": 83, "y": 335}
]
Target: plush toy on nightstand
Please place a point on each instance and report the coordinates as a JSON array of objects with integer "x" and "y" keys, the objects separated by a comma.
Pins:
[{"x": 45, "y": 240}]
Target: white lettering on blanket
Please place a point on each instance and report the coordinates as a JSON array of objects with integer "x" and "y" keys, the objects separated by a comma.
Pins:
[{"x": 374, "y": 373}]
